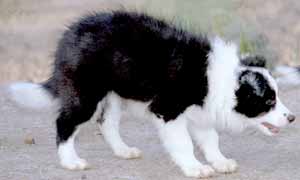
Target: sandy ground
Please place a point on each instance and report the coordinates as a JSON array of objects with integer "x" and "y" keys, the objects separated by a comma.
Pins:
[{"x": 260, "y": 157}]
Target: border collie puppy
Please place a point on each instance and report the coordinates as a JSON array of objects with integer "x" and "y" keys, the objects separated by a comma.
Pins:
[{"x": 188, "y": 85}]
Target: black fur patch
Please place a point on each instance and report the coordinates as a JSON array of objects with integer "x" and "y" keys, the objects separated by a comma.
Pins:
[
  {"x": 254, "y": 95},
  {"x": 134, "y": 55},
  {"x": 255, "y": 61}
]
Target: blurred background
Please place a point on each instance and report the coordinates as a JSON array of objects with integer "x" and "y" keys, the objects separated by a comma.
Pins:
[{"x": 29, "y": 30}]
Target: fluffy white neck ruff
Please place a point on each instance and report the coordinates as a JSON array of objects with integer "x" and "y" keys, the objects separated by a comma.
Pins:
[{"x": 222, "y": 78}]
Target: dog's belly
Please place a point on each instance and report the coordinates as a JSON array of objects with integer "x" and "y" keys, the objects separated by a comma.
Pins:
[{"x": 137, "y": 109}]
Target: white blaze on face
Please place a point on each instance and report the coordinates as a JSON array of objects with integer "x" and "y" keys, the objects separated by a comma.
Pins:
[
  {"x": 270, "y": 123},
  {"x": 279, "y": 116},
  {"x": 255, "y": 113}
]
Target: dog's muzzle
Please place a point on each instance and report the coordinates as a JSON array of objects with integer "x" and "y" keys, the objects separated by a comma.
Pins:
[{"x": 290, "y": 117}]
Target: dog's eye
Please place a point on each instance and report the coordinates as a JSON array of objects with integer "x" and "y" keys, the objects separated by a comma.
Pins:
[{"x": 271, "y": 102}]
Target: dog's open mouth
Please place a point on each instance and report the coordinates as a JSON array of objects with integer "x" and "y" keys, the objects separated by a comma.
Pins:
[{"x": 273, "y": 129}]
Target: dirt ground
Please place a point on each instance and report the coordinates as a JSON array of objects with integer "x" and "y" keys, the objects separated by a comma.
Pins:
[
  {"x": 259, "y": 157},
  {"x": 27, "y": 43}
]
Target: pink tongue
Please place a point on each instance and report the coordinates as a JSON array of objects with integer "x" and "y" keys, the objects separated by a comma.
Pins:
[{"x": 271, "y": 127}]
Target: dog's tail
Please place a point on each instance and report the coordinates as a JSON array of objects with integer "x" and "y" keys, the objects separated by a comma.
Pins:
[
  {"x": 30, "y": 95},
  {"x": 287, "y": 76}
]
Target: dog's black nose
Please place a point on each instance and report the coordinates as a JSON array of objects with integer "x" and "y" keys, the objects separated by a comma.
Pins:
[{"x": 291, "y": 118}]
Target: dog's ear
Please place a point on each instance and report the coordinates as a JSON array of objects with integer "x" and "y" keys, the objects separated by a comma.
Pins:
[
  {"x": 253, "y": 93},
  {"x": 254, "y": 61}
]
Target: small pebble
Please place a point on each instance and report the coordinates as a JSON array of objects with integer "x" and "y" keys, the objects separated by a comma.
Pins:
[{"x": 29, "y": 140}]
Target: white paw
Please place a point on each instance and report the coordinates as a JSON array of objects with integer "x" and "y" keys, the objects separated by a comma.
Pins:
[
  {"x": 75, "y": 164},
  {"x": 226, "y": 166},
  {"x": 129, "y": 153},
  {"x": 200, "y": 171}
]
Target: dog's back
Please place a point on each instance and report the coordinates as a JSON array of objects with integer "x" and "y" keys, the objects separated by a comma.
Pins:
[{"x": 134, "y": 55}]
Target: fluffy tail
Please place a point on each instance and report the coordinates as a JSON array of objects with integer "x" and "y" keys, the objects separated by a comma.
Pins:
[
  {"x": 287, "y": 76},
  {"x": 33, "y": 96}
]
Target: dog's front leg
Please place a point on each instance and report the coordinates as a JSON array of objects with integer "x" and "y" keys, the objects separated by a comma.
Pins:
[
  {"x": 208, "y": 140},
  {"x": 178, "y": 143}
]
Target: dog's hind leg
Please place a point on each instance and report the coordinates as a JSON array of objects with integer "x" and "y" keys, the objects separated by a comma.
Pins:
[
  {"x": 109, "y": 125},
  {"x": 72, "y": 114},
  {"x": 69, "y": 159}
]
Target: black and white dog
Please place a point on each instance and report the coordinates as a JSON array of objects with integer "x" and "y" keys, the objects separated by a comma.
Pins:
[{"x": 188, "y": 85}]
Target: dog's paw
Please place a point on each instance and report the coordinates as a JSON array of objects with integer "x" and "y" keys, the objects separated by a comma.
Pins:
[
  {"x": 200, "y": 171},
  {"x": 225, "y": 166},
  {"x": 75, "y": 164},
  {"x": 129, "y": 153}
]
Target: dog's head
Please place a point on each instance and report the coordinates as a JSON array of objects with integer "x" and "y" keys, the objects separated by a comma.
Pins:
[{"x": 257, "y": 98}]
